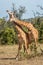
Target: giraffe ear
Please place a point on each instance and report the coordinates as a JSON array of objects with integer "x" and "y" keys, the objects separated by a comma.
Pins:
[{"x": 8, "y": 11}]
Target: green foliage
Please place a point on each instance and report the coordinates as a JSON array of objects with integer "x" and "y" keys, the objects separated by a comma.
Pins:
[
  {"x": 25, "y": 29},
  {"x": 39, "y": 25},
  {"x": 2, "y": 23},
  {"x": 33, "y": 48},
  {"x": 8, "y": 36},
  {"x": 41, "y": 33}
]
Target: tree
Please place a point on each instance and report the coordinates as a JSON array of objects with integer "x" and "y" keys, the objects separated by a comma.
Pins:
[{"x": 18, "y": 13}]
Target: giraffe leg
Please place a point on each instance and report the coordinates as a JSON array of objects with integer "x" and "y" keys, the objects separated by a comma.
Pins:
[
  {"x": 24, "y": 48},
  {"x": 36, "y": 42},
  {"x": 19, "y": 48},
  {"x": 27, "y": 44}
]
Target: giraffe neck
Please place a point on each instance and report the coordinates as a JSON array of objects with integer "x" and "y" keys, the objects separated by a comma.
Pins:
[
  {"x": 17, "y": 25},
  {"x": 19, "y": 22}
]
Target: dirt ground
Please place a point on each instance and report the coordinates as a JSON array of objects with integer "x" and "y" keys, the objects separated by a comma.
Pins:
[{"x": 8, "y": 53}]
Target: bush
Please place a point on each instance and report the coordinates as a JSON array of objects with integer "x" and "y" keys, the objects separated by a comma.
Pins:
[{"x": 8, "y": 36}]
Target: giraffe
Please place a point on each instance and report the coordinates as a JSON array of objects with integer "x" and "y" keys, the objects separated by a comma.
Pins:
[
  {"x": 33, "y": 30},
  {"x": 25, "y": 38}
]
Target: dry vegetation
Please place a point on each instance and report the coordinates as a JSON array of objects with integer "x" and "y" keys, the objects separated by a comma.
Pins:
[{"x": 8, "y": 53}]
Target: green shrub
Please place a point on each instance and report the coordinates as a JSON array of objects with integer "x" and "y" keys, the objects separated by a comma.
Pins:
[{"x": 8, "y": 36}]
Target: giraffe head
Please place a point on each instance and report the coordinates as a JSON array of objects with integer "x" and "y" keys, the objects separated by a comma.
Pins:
[{"x": 11, "y": 15}]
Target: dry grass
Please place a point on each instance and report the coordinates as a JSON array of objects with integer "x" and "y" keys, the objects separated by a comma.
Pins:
[{"x": 9, "y": 52}]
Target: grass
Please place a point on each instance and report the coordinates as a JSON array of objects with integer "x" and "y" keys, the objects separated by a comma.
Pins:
[{"x": 10, "y": 52}]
